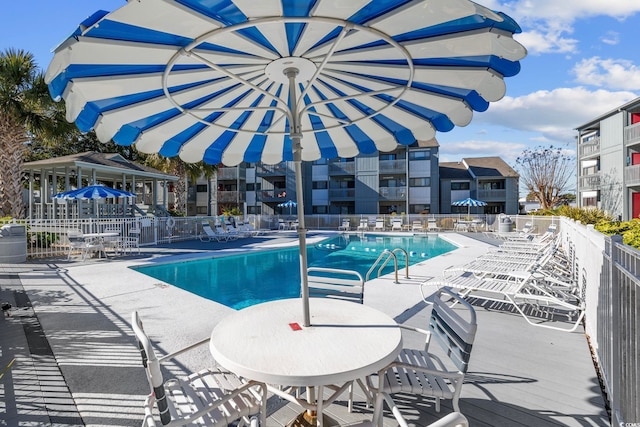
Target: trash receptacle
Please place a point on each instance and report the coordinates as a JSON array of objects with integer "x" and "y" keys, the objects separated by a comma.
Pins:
[
  {"x": 13, "y": 244},
  {"x": 505, "y": 226}
]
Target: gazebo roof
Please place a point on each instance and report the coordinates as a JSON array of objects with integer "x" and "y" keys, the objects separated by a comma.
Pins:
[{"x": 105, "y": 164}]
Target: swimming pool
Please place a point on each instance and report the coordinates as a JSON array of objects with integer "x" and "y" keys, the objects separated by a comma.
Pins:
[{"x": 242, "y": 280}]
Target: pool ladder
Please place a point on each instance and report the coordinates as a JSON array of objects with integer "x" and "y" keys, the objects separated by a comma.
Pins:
[{"x": 384, "y": 259}]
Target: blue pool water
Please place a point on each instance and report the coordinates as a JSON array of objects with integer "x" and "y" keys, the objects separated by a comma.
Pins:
[{"x": 239, "y": 281}]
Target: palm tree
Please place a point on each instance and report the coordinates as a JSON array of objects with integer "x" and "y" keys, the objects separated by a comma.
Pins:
[
  {"x": 26, "y": 112},
  {"x": 185, "y": 171}
]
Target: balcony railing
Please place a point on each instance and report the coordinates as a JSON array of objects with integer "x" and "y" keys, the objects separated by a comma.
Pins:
[
  {"x": 632, "y": 175},
  {"x": 492, "y": 194},
  {"x": 231, "y": 196},
  {"x": 279, "y": 169},
  {"x": 393, "y": 193},
  {"x": 228, "y": 173},
  {"x": 348, "y": 168},
  {"x": 342, "y": 193},
  {"x": 392, "y": 166},
  {"x": 590, "y": 182},
  {"x": 632, "y": 134},
  {"x": 590, "y": 148}
]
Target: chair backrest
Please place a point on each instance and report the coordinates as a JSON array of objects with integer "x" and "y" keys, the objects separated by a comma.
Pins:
[
  {"x": 206, "y": 227},
  {"x": 346, "y": 285},
  {"x": 454, "y": 333},
  {"x": 152, "y": 368},
  {"x": 75, "y": 235}
]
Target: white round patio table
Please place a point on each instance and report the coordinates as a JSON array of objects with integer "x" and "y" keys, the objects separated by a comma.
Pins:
[
  {"x": 267, "y": 342},
  {"x": 345, "y": 342}
]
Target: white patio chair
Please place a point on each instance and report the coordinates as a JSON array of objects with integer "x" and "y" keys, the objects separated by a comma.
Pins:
[
  {"x": 379, "y": 225},
  {"x": 131, "y": 241},
  {"x": 209, "y": 235},
  {"x": 421, "y": 372},
  {"x": 432, "y": 225},
  {"x": 396, "y": 224},
  {"x": 77, "y": 242},
  {"x": 417, "y": 226},
  {"x": 208, "y": 397},
  {"x": 346, "y": 225},
  {"x": 364, "y": 224},
  {"x": 113, "y": 242},
  {"x": 453, "y": 419}
]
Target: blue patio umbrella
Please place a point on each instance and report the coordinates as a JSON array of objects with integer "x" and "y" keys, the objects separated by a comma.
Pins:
[
  {"x": 93, "y": 192},
  {"x": 223, "y": 82},
  {"x": 468, "y": 202},
  {"x": 288, "y": 204}
]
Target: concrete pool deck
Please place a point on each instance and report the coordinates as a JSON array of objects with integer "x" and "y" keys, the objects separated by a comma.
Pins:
[{"x": 76, "y": 361}]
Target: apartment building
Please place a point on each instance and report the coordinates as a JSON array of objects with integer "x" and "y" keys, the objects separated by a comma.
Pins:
[
  {"x": 608, "y": 162},
  {"x": 406, "y": 180},
  {"x": 489, "y": 179}
]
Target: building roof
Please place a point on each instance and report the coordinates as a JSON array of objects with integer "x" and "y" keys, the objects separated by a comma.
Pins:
[
  {"x": 105, "y": 162},
  {"x": 490, "y": 166},
  {"x": 454, "y": 170},
  {"x": 633, "y": 104},
  {"x": 430, "y": 143}
]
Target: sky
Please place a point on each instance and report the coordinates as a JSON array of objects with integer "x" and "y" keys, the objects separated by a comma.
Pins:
[{"x": 583, "y": 61}]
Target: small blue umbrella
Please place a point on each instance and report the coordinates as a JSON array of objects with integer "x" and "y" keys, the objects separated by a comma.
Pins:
[
  {"x": 468, "y": 202},
  {"x": 93, "y": 192},
  {"x": 288, "y": 204}
]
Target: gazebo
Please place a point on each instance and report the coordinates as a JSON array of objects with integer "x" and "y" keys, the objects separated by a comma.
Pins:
[{"x": 48, "y": 177}]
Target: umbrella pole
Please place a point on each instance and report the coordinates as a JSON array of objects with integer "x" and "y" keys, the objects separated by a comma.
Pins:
[{"x": 296, "y": 136}]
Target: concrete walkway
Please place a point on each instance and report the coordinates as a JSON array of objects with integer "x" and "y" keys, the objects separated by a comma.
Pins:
[{"x": 76, "y": 361}]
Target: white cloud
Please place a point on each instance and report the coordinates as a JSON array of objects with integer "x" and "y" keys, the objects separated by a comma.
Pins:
[
  {"x": 611, "y": 38},
  {"x": 609, "y": 73},
  {"x": 548, "y": 24},
  {"x": 454, "y": 151},
  {"x": 553, "y": 114}
]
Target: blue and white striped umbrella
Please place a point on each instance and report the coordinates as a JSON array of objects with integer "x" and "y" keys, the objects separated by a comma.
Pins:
[
  {"x": 93, "y": 192},
  {"x": 288, "y": 204},
  {"x": 469, "y": 202},
  {"x": 227, "y": 81}
]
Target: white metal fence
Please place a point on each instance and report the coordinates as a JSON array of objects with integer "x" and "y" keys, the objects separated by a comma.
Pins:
[{"x": 610, "y": 272}]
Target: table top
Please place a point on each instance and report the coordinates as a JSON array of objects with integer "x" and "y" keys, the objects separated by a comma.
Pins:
[
  {"x": 105, "y": 234},
  {"x": 267, "y": 342}
]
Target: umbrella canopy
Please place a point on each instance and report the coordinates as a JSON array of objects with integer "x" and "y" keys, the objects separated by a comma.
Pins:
[
  {"x": 271, "y": 81},
  {"x": 469, "y": 202},
  {"x": 288, "y": 204},
  {"x": 93, "y": 192}
]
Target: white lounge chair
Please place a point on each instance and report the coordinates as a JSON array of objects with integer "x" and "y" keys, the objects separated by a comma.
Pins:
[
  {"x": 209, "y": 235},
  {"x": 364, "y": 225},
  {"x": 346, "y": 225},
  {"x": 396, "y": 224},
  {"x": 131, "y": 241},
  {"x": 208, "y": 397},
  {"x": 418, "y": 371},
  {"x": 432, "y": 225},
  {"x": 77, "y": 242},
  {"x": 417, "y": 226},
  {"x": 379, "y": 225}
]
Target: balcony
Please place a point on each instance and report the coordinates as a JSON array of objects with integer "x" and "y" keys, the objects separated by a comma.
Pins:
[
  {"x": 231, "y": 196},
  {"x": 227, "y": 173},
  {"x": 632, "y": 175},
  {"x": 272, "y": 170},
  {"x": 590, "y": 182},
  {"x": 591, "y": 148},
  {"x": 632, "y": 134},
  {"x": 392, "y": 166},
  {"x": 393, "y": 193},
  {"x": 342, "y": 193},
  {"x": 492, "y": 195},
  {"x": 342, "y": 168},
  {"x": 274, "y": 195}
]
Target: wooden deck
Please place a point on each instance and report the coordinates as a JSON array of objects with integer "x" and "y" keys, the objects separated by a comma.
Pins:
[{"x": 519, "y": 375}]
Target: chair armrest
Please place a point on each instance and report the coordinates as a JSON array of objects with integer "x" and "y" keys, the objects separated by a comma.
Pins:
[
  {"x": 183, "y": 350},
  {"x": 455, "y": 375}
]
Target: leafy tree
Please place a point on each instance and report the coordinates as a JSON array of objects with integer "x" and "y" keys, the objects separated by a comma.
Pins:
[
  {"x": 185, "y": 171},
  {"x": 26, "y": 112},
  {"x": 545, "y": 172}
]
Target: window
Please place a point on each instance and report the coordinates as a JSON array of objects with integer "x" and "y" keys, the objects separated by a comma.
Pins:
[
  {"x": 202, "y": 188},
  {"x": 459, "y": 186},
  {"x": 201, "y": 210},
  {"x": 320, "y": 185},
  {"x": 419, "y": 155},
  {"x": 388, "y": 156},
  {"x": 251, "y": 187},
  {"x": 420, "y": 182},
  {"x": 419, "y": 209},
  {"x": 319, "y": 209}
]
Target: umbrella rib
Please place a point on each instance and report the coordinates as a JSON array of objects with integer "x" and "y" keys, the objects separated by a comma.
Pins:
[
  {"x": 184, "y": 52},
  {"x": 324, "y": 62}
]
